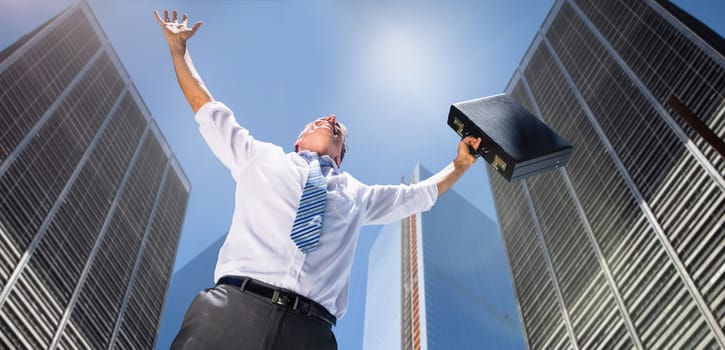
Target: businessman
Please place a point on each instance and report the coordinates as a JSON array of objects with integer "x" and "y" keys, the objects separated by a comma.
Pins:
[{"x": 283, "y": 272}]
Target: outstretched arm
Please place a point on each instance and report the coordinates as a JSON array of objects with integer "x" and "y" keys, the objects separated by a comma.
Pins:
[
  {"x": 177, "y": 34},
  {"x": 464, "y": 160},
  {"x": 385, "y": 204}
]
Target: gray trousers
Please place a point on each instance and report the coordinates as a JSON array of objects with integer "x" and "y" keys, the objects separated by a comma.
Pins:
[{"x": 224, "y": 317}]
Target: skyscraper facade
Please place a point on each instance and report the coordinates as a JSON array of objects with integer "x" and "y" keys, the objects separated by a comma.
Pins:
[
  {"x": 437, "y": 280},
  {"x": 91, "y": 198},
  {"x": 624, "y": 247}
]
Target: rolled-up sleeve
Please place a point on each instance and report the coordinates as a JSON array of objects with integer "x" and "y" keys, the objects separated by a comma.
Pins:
[
  {"x": 229, "y": 142},
  {"x": 386, "y": 204}
]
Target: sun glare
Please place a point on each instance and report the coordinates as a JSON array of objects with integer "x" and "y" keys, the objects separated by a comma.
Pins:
[{"x": 398, "y": 61}]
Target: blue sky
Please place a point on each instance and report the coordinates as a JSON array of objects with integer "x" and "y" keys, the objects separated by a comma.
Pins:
[{"x": 388, "y": 69}]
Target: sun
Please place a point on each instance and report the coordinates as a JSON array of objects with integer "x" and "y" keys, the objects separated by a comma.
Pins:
[{"x": 399, "y": 61}]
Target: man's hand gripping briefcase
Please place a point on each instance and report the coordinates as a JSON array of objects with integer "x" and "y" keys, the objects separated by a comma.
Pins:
[{"x": 515, "y": 142}]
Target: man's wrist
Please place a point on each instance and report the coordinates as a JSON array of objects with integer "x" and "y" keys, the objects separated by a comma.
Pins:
[
  {"x": 177, "y": 49},
  {"x": 461, "y": 165}
]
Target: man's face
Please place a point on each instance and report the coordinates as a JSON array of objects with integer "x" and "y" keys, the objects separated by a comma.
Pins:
[{"x": 324, "y": 136}]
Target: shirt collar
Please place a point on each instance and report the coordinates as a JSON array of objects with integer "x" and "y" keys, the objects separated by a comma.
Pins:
[{"x": 327, "y": 164}]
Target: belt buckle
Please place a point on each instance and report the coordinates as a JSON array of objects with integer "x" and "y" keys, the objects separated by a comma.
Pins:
[{"x": 280, "y": 299}]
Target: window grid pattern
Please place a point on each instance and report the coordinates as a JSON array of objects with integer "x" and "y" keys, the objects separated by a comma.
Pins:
[
  {"x": 610, "y": 208},
  {"x": 689, "y": 212},
  {"x": 667, "y": 62},
  {"x": 32, "y": 183},
  {"x": 46, "y": 285},
  {"x": 683, "y": 197},
  {"x": 65, "y": 66},
  {"x": 621, "y": 338},
  {"x": 103, "y": 289},
  {"x": 594, "y": 314},
  {"x": 142, "y": 316},
  {"x": 541, "y": 313},
  {"x": 32, "y": 83}
]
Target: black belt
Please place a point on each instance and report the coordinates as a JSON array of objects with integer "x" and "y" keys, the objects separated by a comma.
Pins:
[{"x": 280, "y": 296}]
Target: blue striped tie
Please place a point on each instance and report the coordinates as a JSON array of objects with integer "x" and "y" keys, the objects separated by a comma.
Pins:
[{"x": 308, "y": 223}]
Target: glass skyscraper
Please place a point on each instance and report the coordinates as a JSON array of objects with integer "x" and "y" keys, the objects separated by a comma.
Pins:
[
  {"x": 624, "y": 247},
  {"x": 91, "y": 198},
  {"x": 437, "y": 280}
]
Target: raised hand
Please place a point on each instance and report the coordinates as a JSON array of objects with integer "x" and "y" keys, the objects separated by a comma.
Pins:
[
  {"x": 175, "y": 32},
  {"x": 176, "y": 35}
]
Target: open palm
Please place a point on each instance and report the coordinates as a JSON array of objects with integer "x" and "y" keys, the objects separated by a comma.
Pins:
[{"x": 175, "y": 32}]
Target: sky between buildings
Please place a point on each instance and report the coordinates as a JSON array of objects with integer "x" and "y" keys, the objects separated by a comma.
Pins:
[{"x": 389, "y": 69}]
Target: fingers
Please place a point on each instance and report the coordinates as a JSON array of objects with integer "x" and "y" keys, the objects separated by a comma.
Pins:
[
  {"x": 173, "y": 27},
  {"x": 470, "y": 144},
  {"x": 475, "y": 142},
  {"x": 472, "y": 141},
  {"x": 195, "y": 27},
  {"x": 174, "y": 17},
  {"x": 158, "y": 18}
]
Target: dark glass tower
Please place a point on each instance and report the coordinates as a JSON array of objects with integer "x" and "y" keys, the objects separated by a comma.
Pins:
[
  {"x": 437, "y": 280},
  {"x": 91, "y": 198},
  {"x": 624, "y": 248}
]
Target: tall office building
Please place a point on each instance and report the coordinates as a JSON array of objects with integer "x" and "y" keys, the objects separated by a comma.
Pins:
[
  {"x": 437, "y": 280},
  {"x": 624, "y": 247},
  {"x": 91, "y": 197}
]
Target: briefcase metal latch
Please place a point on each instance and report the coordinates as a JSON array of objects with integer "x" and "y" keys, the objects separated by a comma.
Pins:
[
  {"x": 498, "y": 163},
  {"x": 459, "y": 126}
]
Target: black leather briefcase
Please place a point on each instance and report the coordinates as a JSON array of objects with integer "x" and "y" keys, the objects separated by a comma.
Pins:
[{"x": 515, "y": 142}]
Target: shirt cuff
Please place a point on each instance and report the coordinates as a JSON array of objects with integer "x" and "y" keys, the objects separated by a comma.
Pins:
[{"x": 208, "y": 109}]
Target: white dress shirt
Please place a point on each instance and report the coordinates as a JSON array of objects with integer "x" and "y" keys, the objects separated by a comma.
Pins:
[{"x": 269, "y": 185}]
